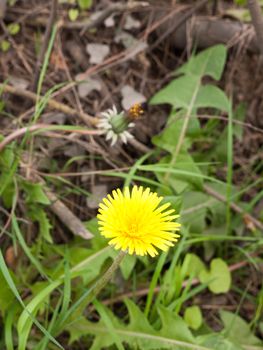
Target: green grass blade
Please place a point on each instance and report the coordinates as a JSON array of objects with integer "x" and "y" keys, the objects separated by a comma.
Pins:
[
  {"x": 23, "y": 336},
  {"x": 229, "y": 169},
  {"x": 27, "y": 251},
  {"x": 154, "y": 281},
  {"x": 108, "y": 323}
]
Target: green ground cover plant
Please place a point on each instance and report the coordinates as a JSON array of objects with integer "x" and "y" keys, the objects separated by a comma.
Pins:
[{"x": 151, "y": 303}]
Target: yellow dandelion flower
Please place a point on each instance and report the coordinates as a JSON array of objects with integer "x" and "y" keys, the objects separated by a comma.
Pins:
[{"x": 135, "y": 222}]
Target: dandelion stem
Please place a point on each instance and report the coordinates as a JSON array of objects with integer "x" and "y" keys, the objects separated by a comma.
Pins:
[{"x": 106, "y": 277}]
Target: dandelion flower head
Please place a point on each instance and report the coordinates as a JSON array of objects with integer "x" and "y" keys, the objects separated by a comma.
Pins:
[
  {"x": 115, "y": 125},
  {"x": 135, "y": 222}
]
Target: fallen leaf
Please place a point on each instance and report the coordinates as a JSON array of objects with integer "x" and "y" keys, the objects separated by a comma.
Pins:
[
  {"x": 131, "y": 23},
  {"x": 109, "y": 22},
  {"x": 18, "y": 82},
  {"x": 86, "y": 86},
  {"x": 97, "y": 52},
  {"x": 131, "y": 97},
  {"x": 126, "y": 39}
]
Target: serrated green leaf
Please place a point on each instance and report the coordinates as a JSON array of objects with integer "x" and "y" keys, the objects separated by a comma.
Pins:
[
  {"x": 218, "y": 342},
  {"x": 138, "y": 333},
  {"x": 193, "y": 317},
  {"x": 35, "y": 193},
  {"x": 38, "y": 214},
  {"x": 237, "y": 329}
]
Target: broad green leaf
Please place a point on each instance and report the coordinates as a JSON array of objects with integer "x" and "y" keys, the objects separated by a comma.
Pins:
[
  {"x": 179, "y": 93},
  {"x": 169, "y": 137},
  {"x": 185, "y": 173},
  {"x": 193, "y": 317},
  {"x": 209, "y": 62},
  {"x": 218, "y": 277},
  {"x": 73, "y": 14},
  {"x": 13, "y": 28},
  {"x": 194, "y": 210},
  {"x": 5, "y": 45},
  {"x": 237, "y": 329},
  {"x": 85, "y": 4},
  {"x": 211, "y": 96},
  {"x": 192, "y": 265}
]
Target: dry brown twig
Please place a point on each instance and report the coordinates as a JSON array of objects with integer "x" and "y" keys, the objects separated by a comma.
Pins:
[
  {"x": 192, "y": 10},
  {"x": 257, "y": 20},
  {"x": 66, "y": 216},
  {"x": 51, "y": 103},
  {"x": 44, "y": 127}
]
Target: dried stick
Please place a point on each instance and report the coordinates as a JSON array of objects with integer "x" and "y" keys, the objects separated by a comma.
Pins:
[
  {"x": 29, "y": 129},
  {"x": 41, "y": 57},
  {"x": 180, "y": 22},
  {"x": 67, "y": 217},
  {"x": 257, "y": 20},
  {"x": 51, "y": 103}
]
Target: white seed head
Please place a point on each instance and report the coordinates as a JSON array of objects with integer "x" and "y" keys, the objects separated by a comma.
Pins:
[{"x": 108, "y": 121}]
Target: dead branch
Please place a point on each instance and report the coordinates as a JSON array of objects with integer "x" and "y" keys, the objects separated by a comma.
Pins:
[
  {"x": 257, "y": 20},
  {"x": 208, "y": 31},
  {"x": 51, "y": 103},
  {"x": 67, "y": 217},
  {"x": 44, "y": 127}
]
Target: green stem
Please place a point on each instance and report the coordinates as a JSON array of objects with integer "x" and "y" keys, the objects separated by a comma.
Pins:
[
  {"x": 106, "y": 277},
  {"x": 90, "y": 294}
]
